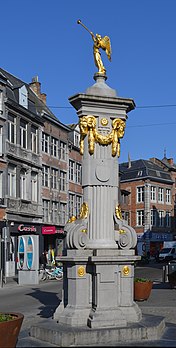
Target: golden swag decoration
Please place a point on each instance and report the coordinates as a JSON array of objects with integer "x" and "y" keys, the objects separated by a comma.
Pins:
[{"x": 87, "y": 126}]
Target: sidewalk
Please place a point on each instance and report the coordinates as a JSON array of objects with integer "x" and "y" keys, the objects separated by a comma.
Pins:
[{"x": 162, "y": 302}]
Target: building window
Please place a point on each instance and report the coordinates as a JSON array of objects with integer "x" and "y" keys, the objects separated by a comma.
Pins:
[
  {"x": 168, "y": 196},
  {"x": 12, "y": 181},
  {"x": 23, "y": 184},
  {"x": 63, "y": 150},
  {"x": 34, "y": 132},
  {"x": 140, "y": 194},
  {"x": 55, "y": 212},
  {"x": 54, "y": 147},
  {"x": 23, "y": 134},
  {"x": 11, "y": 129},
  {"x": 63, "y": 213},
  {"x": 54, "y": 175},
  {"x": 1, "y": 193},
  {"x": 153, "y": 217},
  {"x": 78, "y": 173},
  {"x": 71, "y": 170},
  {"x": 126, "y": 216},
  {"x": 77, "y": 139},
  {"x": 140, "y": 217},
  {"x": 45, "y": 176},
  {"x": 161, "y": 218},
  {"x": 34, "y": 187},
  {"x": 168, "y": 219},
  {"x": 160, "y": 194},
  {"x": 23, "y": 97},
  {"x": 63, "y": 178},
  {"x": 46, "y": 216},
  {"x": 1, "y": 152},
  {"x": 1, "y": 102},
  {"x": 153, "y": 193},
  {"x": 78, "y": 204},
  {"x": 45, "y": 143},
  {"x": 71, "y": 205}
]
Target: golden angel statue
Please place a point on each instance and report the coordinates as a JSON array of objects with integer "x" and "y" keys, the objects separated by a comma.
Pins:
[{"x": 99, "y": 42}]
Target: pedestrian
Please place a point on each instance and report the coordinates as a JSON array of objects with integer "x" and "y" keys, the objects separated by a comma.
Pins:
[
  {"x": 43, "y": 263},
  {"x": 43, "y": 260}
]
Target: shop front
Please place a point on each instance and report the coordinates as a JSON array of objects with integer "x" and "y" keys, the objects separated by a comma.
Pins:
[
  {"x": 53, "y": 242},
  {"x": 13, "y": 233},
  {"x": 157, "y": 240}
]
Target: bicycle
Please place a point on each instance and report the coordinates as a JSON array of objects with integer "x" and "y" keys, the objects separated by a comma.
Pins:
[{"x": 54, "y": 273}]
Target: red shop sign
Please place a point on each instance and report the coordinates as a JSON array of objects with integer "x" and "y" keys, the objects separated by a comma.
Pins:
[{"x": 48, "y": 230}]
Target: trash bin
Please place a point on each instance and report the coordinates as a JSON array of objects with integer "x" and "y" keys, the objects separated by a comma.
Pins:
[{"x": 172, "y": 272}]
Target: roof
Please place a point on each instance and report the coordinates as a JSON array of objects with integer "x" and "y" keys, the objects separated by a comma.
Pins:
[
  {"x": 35, "y": 104},
  {"x": 143, "y": 169}
]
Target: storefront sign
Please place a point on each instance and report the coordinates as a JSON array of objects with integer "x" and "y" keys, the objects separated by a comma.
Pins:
[
  {"x": 23, "y": 228},
  {"x": 48, "y": 230},
  {"x": 161, "y": 237}
]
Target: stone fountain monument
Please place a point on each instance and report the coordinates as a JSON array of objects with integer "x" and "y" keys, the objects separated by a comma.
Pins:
[{"x": 97, "y": 302}]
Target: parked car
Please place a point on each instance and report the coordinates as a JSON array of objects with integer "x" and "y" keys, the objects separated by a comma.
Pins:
[{"x": 167, "y": 254}]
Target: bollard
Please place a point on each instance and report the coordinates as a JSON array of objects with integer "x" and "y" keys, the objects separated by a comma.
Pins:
[{"x": 165, "y": 274}]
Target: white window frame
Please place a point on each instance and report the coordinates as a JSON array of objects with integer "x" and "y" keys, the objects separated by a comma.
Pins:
[
  {"x": 140, "y": 217},
  {"x": 55, "y": 212},
  {"x": 45, "y": 176},
  {"x": 140, "y": 194},
  {"x": 23, "y": 184},
  {"x": 23, "y": 134},
  {"x": 62, "y": 213},
  {"x": 1, "y": 178},
  {"x": 63, "y": 151},
  {"x": 153, "y": 215},
  {"x": 11, "y": 129},
  {"x": 34, "y": 139},
  {"x": 161, "y": 218},
  {"x": 168, "y": 196},
  {"x": 46, "y": 210},
  {"x": 34, "y": 187},
  {"x": 12, "y": 181},
  {"x": 78, "y": 173},
  {"x": 160, "y": 194},
  {"x": 45, "y": 143},
  {"x": 63, "y": 181},
  {"x": 54, "y": 178},
  {"x": 54, "y": 147},
  {"x": 78, "y": 204},
  {"x": 1, "y": 102},
  {"x": 71, "y": 170},
  {"x": 153, "y": 193},
  {"x": 168, "y": 218},
  {"x": 71, "y": 204}
]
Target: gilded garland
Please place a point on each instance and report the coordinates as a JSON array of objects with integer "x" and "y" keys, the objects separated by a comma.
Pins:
[{"x": 87, "y": 126}]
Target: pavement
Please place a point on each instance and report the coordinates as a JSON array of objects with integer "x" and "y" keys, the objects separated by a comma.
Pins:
[{"x": 162, "y": 302}]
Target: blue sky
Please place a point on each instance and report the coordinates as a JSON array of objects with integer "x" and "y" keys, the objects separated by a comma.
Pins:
[{"x": 42, "y": 37}]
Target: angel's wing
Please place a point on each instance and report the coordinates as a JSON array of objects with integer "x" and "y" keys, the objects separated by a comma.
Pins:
[{"x": 106, "y": 45}]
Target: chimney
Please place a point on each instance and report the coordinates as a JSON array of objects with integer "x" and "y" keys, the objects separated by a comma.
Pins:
[
  {"x": 129, "y": 161},
  {"x": 170, "y": 161},
  {"x": 35, "y": 85}
]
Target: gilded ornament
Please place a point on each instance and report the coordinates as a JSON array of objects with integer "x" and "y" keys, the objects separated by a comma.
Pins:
[
  {"x": 84, "y": 211},
  {"x": 81, "y": 271},
  {"x": 72, "y": 219},
  {"x": 118, "y": 212},
  {"x": 104, "y": 121},
  {"x": 126, "y": 270},
  {"x": 99, "y": 42},
  {"x": 121, "y": 231},
  {"x": 87, "y": 126}
]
